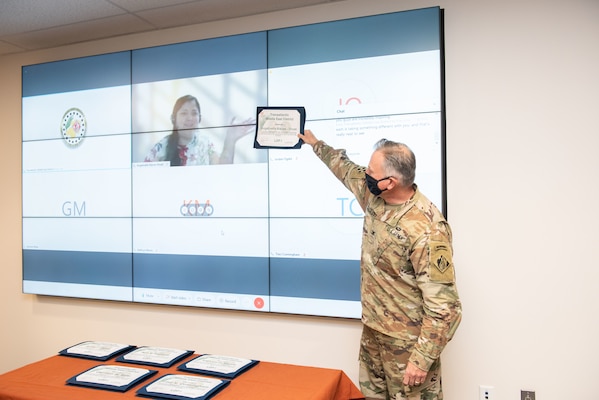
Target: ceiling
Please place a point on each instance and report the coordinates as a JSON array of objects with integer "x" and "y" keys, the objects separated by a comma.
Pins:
[{"x": 40, "y": 24}]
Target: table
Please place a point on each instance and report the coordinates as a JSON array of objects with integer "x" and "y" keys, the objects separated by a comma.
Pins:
[{"x": 45, "y": 380}]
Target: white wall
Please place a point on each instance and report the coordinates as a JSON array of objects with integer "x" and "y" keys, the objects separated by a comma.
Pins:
[{"x": 523, "y": 173}]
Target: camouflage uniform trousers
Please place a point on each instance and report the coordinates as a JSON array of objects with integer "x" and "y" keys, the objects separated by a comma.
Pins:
[{"x": 383, "y": 360}]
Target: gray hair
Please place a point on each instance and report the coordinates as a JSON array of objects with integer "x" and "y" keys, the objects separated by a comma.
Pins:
[{"x": 399, "y": 159}]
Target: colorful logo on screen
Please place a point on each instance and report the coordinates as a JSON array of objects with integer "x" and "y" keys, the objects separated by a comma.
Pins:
[{"x": 73, "y": 126}]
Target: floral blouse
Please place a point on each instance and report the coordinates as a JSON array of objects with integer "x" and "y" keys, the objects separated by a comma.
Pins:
[{"x": 196, "y": 152}]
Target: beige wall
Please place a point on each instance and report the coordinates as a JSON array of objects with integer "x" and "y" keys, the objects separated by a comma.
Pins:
[{"x": 523, "y": 173}]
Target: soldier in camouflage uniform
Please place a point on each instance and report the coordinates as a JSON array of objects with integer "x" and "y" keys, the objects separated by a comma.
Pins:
[{"x": 410, "y": 304}]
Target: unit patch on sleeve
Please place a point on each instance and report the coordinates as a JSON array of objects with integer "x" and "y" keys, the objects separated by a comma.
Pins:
[{"x": 441, "y": 264}]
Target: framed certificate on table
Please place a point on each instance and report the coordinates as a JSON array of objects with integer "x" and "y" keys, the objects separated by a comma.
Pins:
[
  {"x": 183, "y": 387},
  {"x": 216, "y": 365},
  {"x": 93, "y": 350},
  {"x": 277, "y": 127},
  {"x": 111, "y": 377},
  {"x": 154, "y": 356}
]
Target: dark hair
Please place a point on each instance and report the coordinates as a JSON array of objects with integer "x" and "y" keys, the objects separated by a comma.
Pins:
[
  {"x": 172, "y": 146},
  {"x": 399, "y": 158}
]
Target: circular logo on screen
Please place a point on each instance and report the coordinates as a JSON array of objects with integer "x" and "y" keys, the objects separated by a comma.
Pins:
[{"x": 73, "y": 126}]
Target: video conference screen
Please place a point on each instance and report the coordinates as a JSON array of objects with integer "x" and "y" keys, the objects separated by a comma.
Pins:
[{"x": 141, "y": 182}]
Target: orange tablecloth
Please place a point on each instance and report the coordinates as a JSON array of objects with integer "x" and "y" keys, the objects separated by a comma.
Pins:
[{"x": 46, "y": 380}]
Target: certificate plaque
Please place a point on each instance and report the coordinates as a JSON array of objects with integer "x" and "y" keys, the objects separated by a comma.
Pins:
[
  {"x": 221, "y": 366},
  {"x": 111, "y": 377},
  {"x": 93, "y": 350},
  {"x": 277, "y": 127},
  {"x": 183, "y": 387},
  {"x": 154, "y": 356}
]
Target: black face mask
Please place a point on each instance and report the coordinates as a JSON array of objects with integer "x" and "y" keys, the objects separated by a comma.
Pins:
[{"x": 373, "y": 184}]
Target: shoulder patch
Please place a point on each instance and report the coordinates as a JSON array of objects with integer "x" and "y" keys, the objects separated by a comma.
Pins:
[{"x": 441, "y": 263}]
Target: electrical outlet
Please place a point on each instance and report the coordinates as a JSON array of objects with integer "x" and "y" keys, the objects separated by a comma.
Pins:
[
  {"x": 527, "y": 395},
  {"x": 485, "y": 393}
]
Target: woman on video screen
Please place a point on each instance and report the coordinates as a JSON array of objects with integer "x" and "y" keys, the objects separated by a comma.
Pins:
[{"x": 186, "y": 145}]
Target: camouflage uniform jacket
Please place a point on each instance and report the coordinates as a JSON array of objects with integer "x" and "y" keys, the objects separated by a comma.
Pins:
[{"x": 407, "y": 276}]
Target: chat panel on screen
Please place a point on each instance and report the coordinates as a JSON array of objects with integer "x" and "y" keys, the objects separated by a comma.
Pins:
[{"x": 353, "y": 96}]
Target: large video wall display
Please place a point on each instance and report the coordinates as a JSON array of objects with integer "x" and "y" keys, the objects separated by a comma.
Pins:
[{"x": 141, "y": 181}]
